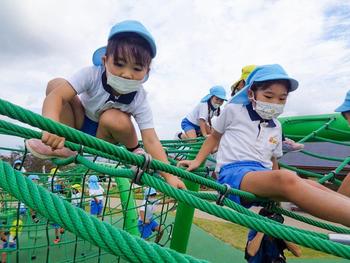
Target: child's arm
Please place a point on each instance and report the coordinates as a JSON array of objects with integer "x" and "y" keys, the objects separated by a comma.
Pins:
[
  {"x": 155, "y": 149},
  {"x": 254, "y": 245},
  {"x": 142, "y": 217},
  {"x": 61, "y": 93},
  {"x": 209, "y": 144},
  {"x": 203, "y": 127},
  {"x": 294, "y": 248},
  {"x": 275, "y": 165}
]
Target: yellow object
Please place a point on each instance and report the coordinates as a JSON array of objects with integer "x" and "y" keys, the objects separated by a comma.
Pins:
[
  {"x": 77, "y": 187},
  {"x": 246, "y": 70},
  {"x": 14, "y": 226},
  {"x": 54, "y": 170}
]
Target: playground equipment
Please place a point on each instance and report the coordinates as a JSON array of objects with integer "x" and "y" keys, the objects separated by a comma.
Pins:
[{"x": 114, "y": 236}]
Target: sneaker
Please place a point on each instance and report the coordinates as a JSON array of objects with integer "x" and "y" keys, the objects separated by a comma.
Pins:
[
  {"x": 289, "y": 145},
  {"x": 177, "y": 136},
  {"x": 35, "y": 219},
  {"x": 43, "y": 151},
  {"x": 57, "y": 240}
]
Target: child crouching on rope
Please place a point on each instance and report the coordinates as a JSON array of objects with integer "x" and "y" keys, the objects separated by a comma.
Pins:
[
  {"x": 250, "y": 141},
  {"x": 101, "y": 99},
  {"x": 198, "y": 122}
]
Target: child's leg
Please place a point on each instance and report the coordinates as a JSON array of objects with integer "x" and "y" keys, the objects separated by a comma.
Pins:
[
  {"x": 344, "y": 188},
  {"x": 160, "y": 233},
  {"x": 116, "y": 126},
  {"x": 73, "y": 112},
  {"x": 285, "y": 185}
]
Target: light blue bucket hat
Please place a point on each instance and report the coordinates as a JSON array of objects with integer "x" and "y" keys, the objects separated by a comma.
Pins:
[
  {"x": 346, "y": 104},
  {"x": 263, "y": 73},
  {"x": 130, "y": 26},
  {"x": 150, "y": 191},
  {"x": 93, "y": 182},
  {"x": 33, "y": 177},
  {"x": 217, "y": 91}
]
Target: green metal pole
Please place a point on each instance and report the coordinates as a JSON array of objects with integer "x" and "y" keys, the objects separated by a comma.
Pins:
[
  {"x": 184, "y": 218},
  {"x": 128, "y": 205}
]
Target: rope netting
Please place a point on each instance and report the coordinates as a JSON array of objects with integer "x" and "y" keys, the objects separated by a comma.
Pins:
[{"x": 48, "y": 222}]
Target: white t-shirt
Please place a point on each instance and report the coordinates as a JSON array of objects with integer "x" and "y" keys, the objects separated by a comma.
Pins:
[
  {"x": 97, "y": 193},
  {"x": 76, "y": 199},
  {"x": 149, "y": 209},
  {"x": 87, "y": 82},
  {"x": 244, "y": 139},
  {"x": 201, "y": 112}
]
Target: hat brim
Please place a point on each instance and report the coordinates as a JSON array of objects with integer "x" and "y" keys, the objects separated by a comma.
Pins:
[
  {"x": 343, "y": 108},
  {"x": 97, "y": 56}
]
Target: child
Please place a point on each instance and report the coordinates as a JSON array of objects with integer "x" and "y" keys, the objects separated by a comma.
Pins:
[
  {"x": 147, "y": 224},
  {"x": 288, "y": 145},
  {"x": 263, "y": 248},
  {"x": 110, "y": 92},
  {"x": 76, "y": 195},
  {"x": 198, "y": 122},
  {"x": 250, "y": 141},
  {"x": 96, "y": 193},
  {"x": 35, "y": 179},
  {"x": 239, "y": 84},
  {"x": 17, "y": 165},
  {"x": 344, "y": 109}
]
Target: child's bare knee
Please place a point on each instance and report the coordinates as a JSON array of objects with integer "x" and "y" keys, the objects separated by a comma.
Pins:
[
  {"x": 114, "y": 119},
  {"x": 54, "y": 83},
  {"x": 286, "y": 179}
]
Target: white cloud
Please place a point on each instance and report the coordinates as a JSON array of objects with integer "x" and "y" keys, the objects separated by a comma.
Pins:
[{"x": 200, "y": 43}]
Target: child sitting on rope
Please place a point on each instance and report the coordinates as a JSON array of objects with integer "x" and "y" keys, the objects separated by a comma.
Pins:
[
  {"x": 101, "y": 99},
  {"x": 147, "y": 224},
  {"x": 198, "y": 121},
  {"x": 96, "y": 193},
  {"x": 250, "y": 140},
  {"x": 262, "y": 248},
  {"x": 344, "y": 109}
]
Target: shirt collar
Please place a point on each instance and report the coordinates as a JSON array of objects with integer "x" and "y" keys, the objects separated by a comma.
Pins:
[{"x": 254, "y": 116}]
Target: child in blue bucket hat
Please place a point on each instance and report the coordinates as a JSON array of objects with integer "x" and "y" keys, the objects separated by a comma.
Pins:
[
  {"x": 250, "y": 141},
  {"x": 147, "y": 223},
  {"x": 101, "y": 99},
  {"x": 96, "y": 193},
  {"x": 198, "y": 121}
]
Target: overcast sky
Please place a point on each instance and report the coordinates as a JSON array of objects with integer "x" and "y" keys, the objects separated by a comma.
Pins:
[{"x": 200, "y": 44}]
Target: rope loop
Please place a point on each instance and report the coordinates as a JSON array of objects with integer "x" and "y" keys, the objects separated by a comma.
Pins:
[{"x": 223, "y": 195}]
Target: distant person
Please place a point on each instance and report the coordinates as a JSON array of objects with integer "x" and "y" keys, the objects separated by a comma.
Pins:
[
  {"x": 96, "y": 194},
  {"x": 262, "y": 248},
  {"x": 147, "y": 224},
  {"x": 76, "y": 195},
  {"x": 198, "y": 122}
]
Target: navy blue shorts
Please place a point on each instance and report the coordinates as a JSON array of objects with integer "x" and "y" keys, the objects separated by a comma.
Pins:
[
  {"x": 233, "y": 174},
  {"x": 186, "y": 125},
  {"x": 96, "y": 208},
  {"x": 146, "y": 230},
  {"x": 89, "y": 126}
]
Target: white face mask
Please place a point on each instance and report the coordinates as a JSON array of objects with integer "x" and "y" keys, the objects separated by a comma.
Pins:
[
  {"x": 216, "y": 106},
  {"x": 267, "y": 110},
  {"x": 122, "y": 85}
]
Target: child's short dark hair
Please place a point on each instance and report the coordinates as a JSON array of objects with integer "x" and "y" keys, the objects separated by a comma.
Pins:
[
  {"x": 263, "y": 85},
  {"x": 131, "y": 47},
  {"x": 345, "y": 112}
]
